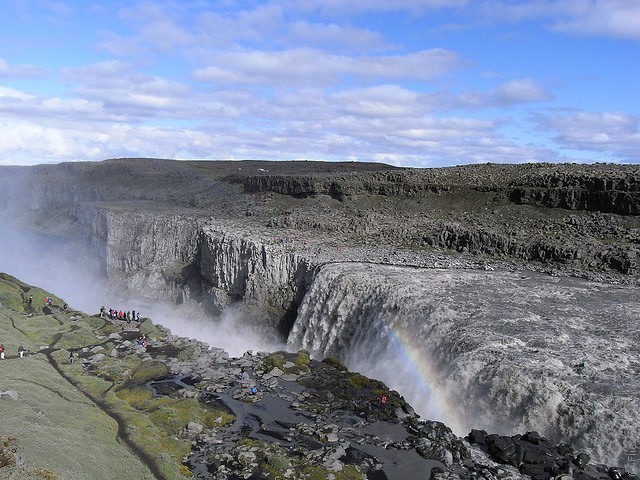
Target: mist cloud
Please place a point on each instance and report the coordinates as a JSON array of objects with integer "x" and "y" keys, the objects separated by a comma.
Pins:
[{"x": 71, "y": 272}]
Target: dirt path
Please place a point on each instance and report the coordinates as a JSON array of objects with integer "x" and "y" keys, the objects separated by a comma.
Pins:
[
  {"x": 62, "y": 430},
  {"x": 104, "y": 406}
]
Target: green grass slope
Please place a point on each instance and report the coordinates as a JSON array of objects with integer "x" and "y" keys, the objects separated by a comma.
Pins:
[{"x": 50, "y": 429}]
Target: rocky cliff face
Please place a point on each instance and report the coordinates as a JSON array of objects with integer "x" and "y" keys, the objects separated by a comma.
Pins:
[
  {"x": 148, "y": 253},
  {"x": 261, "y": 238},
  {"x": 609, "y": 191},
  {"x": 269, "y": 280},
  {"x": 603, "y": 188}
]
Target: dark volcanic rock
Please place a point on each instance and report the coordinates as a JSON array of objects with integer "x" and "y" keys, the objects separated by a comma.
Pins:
[
  {"x": 254, "y": 235},
  {"x": 540, "y": 459},
  {"x": 574, "y": 218},
  {"x": 604, "y": 188}
]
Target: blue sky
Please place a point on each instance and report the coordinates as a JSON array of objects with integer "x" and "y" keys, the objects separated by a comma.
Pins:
[{"x": 407, "y": 82}]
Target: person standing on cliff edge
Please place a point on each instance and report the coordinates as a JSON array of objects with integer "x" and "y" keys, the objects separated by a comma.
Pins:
[{"x": 1, "y": 351}]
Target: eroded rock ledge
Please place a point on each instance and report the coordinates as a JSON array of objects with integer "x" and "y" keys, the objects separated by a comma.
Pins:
[
  {"x": 577, "y": 219},
  {"x": 294, "y": 417}
]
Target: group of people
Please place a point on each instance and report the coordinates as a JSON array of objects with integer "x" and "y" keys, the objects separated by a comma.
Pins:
[
  {"x": 21, "y": 351},
  {"x": 115, "y": 314}
]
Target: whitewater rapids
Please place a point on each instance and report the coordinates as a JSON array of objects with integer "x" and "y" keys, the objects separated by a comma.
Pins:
[{"x": 503, "y": 351}]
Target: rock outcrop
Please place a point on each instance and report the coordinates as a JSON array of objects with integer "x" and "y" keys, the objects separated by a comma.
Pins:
[
  {"x": 256, "y": 236},
  {"x": 604, "y": 189},
  {"x": 184, "y": 409}
]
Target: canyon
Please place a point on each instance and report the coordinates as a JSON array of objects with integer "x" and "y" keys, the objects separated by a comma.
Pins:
[{"x": 497, "y": 297}]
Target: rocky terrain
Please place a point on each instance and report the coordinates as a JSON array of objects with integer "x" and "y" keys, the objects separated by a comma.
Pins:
[
  {"x": 581, "y": 219},
  {"x": 183, "y": 409},
  {"x": 518, "y": 351}
]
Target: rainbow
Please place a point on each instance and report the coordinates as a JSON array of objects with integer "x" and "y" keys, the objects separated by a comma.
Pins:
[{"x": 430, "y": 400}]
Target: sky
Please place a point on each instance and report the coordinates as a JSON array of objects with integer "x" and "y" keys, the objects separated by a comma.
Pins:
[{"x": 416, "y": 83}]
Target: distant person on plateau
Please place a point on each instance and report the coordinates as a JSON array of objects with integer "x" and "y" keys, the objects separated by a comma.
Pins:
[
  {"x": 383, "y": 401},
  {"x": 70, "y": 356},
  {"x": 21, "y": 351},
  {"x": 1, "y": 352}
]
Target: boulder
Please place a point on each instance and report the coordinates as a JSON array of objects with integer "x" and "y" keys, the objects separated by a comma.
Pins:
[
  {"x": 10, "y": 394},
  {"x": 194, "y": 427}
]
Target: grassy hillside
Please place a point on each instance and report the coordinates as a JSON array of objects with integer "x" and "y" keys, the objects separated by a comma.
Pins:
[
  {"x": 73, "y": 421},
  {"x": 49, "y": 428}
]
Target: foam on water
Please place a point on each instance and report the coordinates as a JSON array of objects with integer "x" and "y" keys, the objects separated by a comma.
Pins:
[{"x": 504, "y": 351}]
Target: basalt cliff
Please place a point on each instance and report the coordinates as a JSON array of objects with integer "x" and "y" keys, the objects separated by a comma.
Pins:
[
  {"x": 253, "y": 231},
  {"x": 499, "y": 297}
]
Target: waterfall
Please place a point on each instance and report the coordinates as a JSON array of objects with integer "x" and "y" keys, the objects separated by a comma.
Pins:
[
  {"x": 504, "y": 351},
  {"x": 382, "y": 325}
]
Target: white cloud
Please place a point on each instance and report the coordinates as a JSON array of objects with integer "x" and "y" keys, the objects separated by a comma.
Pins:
[
  {"x": 104, "y": 71},
  {"x": 121, "y": 90},
  {"x": 610, "y": 133},
  {"x": 8, "y": 94},
  {"x": 334, "y": 35},
  {"x": 362, "y": 6},
  {"x": 310, "y": 66},
  {"x": 520, "y": 91},
  {"x": 8, "y": 70},
  {"x": 157, "y": 24},
  {"x": 378, "y": 101},
  {"x": 609, "y": 18},
  {"x": 24, "y": 143},
  {"x": 190, "y": 29},
  {"x": 330, "y": 135},
  {"x": 23, "y": 106},
  {"x": 395, "y": 100}
]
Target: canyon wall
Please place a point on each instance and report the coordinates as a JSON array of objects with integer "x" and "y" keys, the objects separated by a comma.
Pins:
[
  {"x": 601, "y": 188},
  {"x": 268, "y": 279},
  {"x": 318, "y": 257},
  {"x": 188, "y": 259},
  {"x": 580, "y": 219}
]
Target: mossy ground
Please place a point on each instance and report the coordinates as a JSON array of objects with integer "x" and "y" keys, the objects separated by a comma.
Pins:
[
  {"x": 277, "y": 463},
  {"x": 73, "y": 429},
  {"x": 60, "y": 430}
]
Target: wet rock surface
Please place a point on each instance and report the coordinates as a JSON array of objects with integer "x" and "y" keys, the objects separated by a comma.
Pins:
[
  {"x": 294, "y": 417},
  {"x": 540, "y": 459}
]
